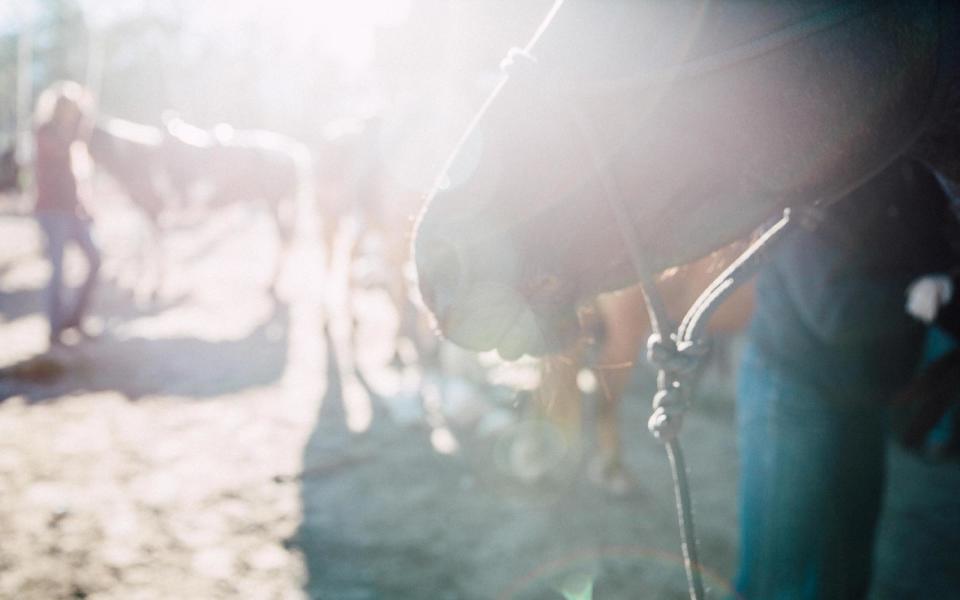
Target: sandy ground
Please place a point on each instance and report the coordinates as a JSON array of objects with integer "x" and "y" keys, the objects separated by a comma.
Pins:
[{"x": 212, "y": 443}]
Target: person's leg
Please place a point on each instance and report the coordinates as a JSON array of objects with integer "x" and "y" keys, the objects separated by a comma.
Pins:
[
  {"x": 80, "y": 232},
  {"x": 55, "y": 231},
  {"x": 855, "y": 499},
  {"x": 810, "y": 487}
]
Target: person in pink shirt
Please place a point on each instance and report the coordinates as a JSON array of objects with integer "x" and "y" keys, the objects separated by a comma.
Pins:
[{"x": 62, "y": 118}]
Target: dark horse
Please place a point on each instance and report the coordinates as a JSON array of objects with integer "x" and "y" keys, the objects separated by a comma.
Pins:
[
  {"x": 707, "y": 118},
  {"x": 239, "y": 166}
]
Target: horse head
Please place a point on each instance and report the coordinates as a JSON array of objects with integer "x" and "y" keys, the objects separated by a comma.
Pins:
[{"x": 700, "y": 119}]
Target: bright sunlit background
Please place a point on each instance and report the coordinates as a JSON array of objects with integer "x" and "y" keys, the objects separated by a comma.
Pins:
[{"x": 289, "y": 65}]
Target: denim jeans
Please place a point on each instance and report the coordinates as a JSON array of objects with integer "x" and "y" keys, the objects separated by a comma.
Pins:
[
  {"x": 811, "y": 484},
  {"x": 60, "y": 228}
]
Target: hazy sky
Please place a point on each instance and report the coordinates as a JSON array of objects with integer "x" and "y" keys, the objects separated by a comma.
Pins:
[{"x": 344, "y": 28}]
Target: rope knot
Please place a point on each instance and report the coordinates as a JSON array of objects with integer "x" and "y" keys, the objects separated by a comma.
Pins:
[
  {"x": 669, "y": 406},
  {"x": 679, "y": 358},
  {"x": 676, "y": 362},
  {"x": 665, "y": 425},
  {"x": 518, "y": 61}
]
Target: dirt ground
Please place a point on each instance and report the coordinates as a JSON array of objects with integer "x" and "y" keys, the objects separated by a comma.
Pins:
[{"x": 212, "y": 443}]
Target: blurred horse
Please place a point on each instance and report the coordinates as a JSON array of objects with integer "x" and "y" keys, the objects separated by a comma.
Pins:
[
  {"x": 681, "y": 126},
  {"x": 366, "y": 220},
  {"x": 350, "y": 178},
  {"x": 616, "y": 326},
  {"x": 355, "y": 188},
  {"x": 239, "y": 166},
  {"x": 130, "y": 154}
]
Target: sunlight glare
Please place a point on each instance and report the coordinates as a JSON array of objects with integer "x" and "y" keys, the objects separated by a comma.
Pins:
[
  {"x": 443, "y": 441},
  {"x": 345, "y": 30}
]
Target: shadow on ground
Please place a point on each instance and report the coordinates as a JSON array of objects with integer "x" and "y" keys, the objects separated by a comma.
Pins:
[
  {"x": 142, "y": 366},
  {"x": 388, "y": 516}
]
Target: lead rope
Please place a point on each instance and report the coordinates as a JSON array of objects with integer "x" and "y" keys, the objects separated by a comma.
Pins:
[
  {"x": 677, "y": 359},
  {"x": 677, "y": 355}
]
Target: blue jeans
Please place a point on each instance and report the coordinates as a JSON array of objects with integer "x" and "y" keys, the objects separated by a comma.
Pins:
[
  {"x": 61, "y": 228},
  {"x": 811, "y": 484}
]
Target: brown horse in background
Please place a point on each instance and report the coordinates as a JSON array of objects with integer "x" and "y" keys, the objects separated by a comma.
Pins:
[
  {"x": 239, "y": 166},
  {"x": 350, "y": 179},
  {"x": 366, "y": 216},
  {"x": 130, "y": 153}
]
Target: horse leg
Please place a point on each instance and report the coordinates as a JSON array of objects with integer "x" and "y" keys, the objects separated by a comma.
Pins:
[
  {"x": 284, "y": 230},
  {"x": 552, "y": 439},
  {"x": 157, "y": 257},
  {"x": 329, "y": 224},
  {"x": 151, "y": 205},
  {"x": 142, "y": 289},
  {"x": 626, "y": 327},
  {"x": 413, "y": 331}
]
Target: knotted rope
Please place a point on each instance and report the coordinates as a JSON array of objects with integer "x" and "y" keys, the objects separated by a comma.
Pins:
[{"x": 677, "y": 358}]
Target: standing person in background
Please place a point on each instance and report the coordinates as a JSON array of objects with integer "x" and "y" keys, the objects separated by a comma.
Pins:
[
  {"x": 829, "y": 346},
  {"x": 62, "y": 120}
]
